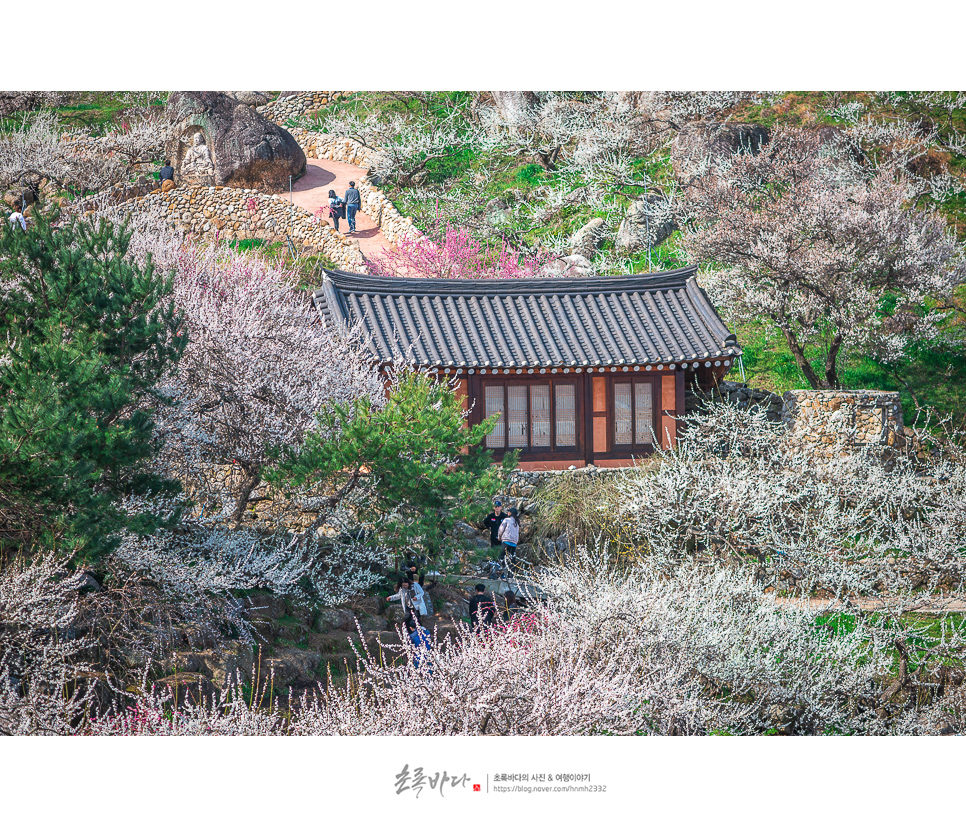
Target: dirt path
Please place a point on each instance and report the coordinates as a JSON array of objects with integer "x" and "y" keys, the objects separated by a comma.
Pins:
[{"x": 312, "y": 191}]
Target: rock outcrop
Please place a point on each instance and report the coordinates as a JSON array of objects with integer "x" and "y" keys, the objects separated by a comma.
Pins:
[
  {"x": 221, "y": 141},
  {"x": 587, "y": 238},
  {"x": 253, "y": 98},
  {"x": 716, "y": 140},
  {"x": 648, "y": 222}
]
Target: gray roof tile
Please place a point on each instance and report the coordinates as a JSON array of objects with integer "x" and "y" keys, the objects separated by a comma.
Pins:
[{"x": 660, "y": 317}]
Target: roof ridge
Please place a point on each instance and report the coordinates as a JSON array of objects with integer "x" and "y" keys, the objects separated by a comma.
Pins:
[{"x": 587, "y": 285}]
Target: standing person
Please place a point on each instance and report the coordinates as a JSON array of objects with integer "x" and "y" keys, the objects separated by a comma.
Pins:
[
  {"x": 166, "y": 176},
  {"x": 482, "y": 609},
  {"x": 353, "y": 202},
  {"x": 404, "y": 595},
  {"x": 336, "y": 208},
  {"x": 419, "y": 599},
  {"x": 493, "y": 522},
  {"x": 17, "y": 218},
  {"x": 420, "y": 639},
  {"x": 427, "y": 599},
  {"x": 509, "y": 535}
]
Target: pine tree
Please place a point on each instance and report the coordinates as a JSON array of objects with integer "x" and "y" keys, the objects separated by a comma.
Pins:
[
  {"x": 85, "y": 335},
  {"x": 409, "y": 466}
]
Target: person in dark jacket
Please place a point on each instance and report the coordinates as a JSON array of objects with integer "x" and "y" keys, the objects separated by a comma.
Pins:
[
  {"x": 493, "y": 522},
  {"x": 353, "y": 202},
  {"x": 510, "y": 606},
  {"x": 166, "y": 175},
  {"x": 482, "y": 609},
  {"x": 336, "y": 208}
]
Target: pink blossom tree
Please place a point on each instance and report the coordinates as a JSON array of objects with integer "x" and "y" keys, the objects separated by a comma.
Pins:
[
  {"x": 453, "y": 252},
  {"x": 258, "y": 368}
]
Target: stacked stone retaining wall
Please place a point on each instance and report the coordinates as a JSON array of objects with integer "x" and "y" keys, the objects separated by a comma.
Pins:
[
  {"x": 740, "y": 394},
  {"x": 296, "y": 106},
  {"x": 834, "y": 421},
  {"x": 211, "y": 211}
]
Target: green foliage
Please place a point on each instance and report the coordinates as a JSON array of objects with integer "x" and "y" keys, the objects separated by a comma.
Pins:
[
  {"x": 530, "y": 174},
  {"x": 96, "y": 111},
  {"x": 86, "y": 337},
  {"x": 247, "y": 244},
  {"x": 420, "y": 465}
]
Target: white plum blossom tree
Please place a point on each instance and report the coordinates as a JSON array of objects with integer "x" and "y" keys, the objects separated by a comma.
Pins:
[{"x": 829, "y": 252}]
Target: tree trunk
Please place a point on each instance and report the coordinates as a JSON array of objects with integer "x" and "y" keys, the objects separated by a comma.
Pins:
[
  {"x": 799, "y": 354},
  {"x": 252, "y": 479},
  {"x": 831, "y": 374}
]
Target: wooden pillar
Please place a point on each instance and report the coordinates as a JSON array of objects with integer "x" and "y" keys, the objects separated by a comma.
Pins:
[
  {"x": 669, "y": 398},
  {"x": 462, "y": 392},
  {"x": 599, "y": 405}
]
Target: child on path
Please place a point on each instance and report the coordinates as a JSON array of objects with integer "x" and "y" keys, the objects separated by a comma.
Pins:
[{"x": 17, "y": 218}]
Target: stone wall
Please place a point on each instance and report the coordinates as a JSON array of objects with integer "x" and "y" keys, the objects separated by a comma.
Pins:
[
  {"x": 214, "y": 210},
  {"x": 853, "y": 419},
  {"x": 739, "y": 393},
  {"x": 295, "y": 106}
]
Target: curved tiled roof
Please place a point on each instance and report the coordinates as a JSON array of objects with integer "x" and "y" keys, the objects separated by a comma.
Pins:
[{"x": 659, "y": 317}]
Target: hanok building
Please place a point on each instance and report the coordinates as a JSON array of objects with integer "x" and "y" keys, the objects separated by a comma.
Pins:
[{"x": 589, "y": 370}]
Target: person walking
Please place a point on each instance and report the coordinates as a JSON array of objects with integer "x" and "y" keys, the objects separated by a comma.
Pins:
[
  {"x": 353, "y": 202},
  {"x": 17, "y": 218},
  {"x": 493, "y": 521},
  {"x": 509, "y": 536},
  {"x": 419, "y": 599},
  {"x": 510, "y": 606},
  {"x": 336, "y": 208}
]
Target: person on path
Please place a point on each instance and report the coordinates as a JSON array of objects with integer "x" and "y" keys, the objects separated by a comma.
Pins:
[
  {"x": 422, "y": 642},
  {"x": 482, "y": 609},
  {"x": 17, "y": 218},
  {"x": 353, "y": 202},
  {"x": 166, "y": 176},
  {"x": 336, "y": 208},
  {"x": 493, "y": 522},
  {"x": 404, "y": 595},
  {"x": 509, "y": 535}
]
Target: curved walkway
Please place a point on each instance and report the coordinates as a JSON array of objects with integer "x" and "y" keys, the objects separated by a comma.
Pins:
[{"x": 312, "y": 191}]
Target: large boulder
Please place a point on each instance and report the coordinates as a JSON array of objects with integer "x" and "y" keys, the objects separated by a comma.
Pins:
[
  {"x": 217, "y": 140},
  {"x": 648, "y": 222},
  {"x": 253, "y": 98},
  {"x": 587, "y": 238},
  {"x": 291, "y": 666},
  {"x": 569, "y": 266}
]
